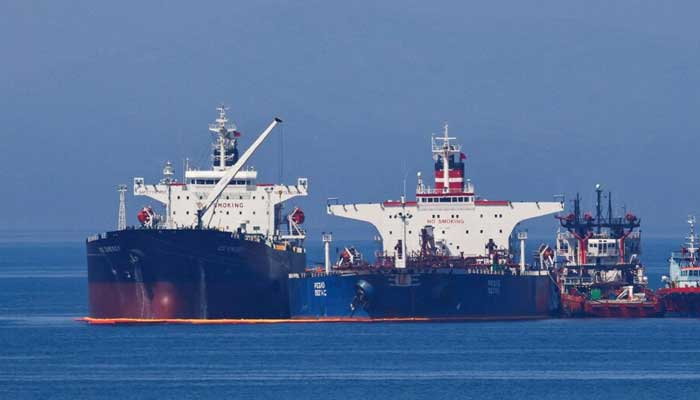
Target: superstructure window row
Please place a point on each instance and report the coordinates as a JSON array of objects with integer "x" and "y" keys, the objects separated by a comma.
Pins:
[
  {"x": 454, "y": 199},
  {"x": 215, "y": 181}
]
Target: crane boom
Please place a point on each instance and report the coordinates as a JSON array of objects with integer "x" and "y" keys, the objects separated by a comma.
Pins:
[{"x": 230, "y": 173}]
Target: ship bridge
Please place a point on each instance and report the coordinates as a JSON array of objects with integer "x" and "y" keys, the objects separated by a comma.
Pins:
[
  {"x": 460, "y": 222},
  {"x": 239, "y": 204}
]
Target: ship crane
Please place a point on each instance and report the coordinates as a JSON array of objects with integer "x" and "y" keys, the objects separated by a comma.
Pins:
[{"x": 231, "y": 172}]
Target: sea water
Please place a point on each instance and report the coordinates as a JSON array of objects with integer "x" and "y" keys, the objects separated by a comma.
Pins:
[{"x": 45, "y": 353}]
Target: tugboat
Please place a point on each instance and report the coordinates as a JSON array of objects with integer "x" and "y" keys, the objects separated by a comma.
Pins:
[
  {"x": 681, "y": 294},
  {"x": 599, "y": 271},
  {"x": 446, "y": 256},
  {"x": 219, "y": 250}
]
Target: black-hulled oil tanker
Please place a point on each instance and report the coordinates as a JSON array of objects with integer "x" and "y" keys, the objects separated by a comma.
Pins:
[
  {"x": 448, "y": 255},
  {"x": 221, "y": 248}
]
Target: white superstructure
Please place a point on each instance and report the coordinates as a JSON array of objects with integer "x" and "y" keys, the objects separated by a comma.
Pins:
[
  {"x": 684, "y": 267},
  {"x": 462, "y": 223},
  {"x": 228, "y": 197}
]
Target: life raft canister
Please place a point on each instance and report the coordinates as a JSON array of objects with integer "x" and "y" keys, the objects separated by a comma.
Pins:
[
  {"x": 298, "y": 216},
  {"x": 144, "y": 216}
]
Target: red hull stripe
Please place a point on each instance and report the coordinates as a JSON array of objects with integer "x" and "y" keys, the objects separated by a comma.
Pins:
[
  {"x": 453, "y": 173},
  {"x": 686, "y": 290},
  {"x": 492, "y": 202},
  {"x": 398, "y": 203}
]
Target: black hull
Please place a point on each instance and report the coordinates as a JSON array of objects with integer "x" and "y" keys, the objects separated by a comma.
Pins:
[{"x": 188, "y": 274}]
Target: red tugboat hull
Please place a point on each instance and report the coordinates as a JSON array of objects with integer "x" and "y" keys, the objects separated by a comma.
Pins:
[
  {"x": 572, "y": 305},
  {"x": 578, "y": 306},
  {"x": 682, "y": 302},
  {"x": 623, "y": 309}
]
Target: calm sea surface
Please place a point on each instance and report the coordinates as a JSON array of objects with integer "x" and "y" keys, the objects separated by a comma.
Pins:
[{"x": 44, "y": 353}]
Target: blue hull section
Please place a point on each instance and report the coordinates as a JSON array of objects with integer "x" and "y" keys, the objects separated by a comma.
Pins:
[{"x": 440, "y": 294}]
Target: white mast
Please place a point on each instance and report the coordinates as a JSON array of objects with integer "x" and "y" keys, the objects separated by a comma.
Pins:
[
  {"x": 522, "y": 236},
  {"x": 121, "y": 224},
  {"x": 327, "y": 239},
  {"x": 444, "y": 150},
  {"x": 446, "y": 162},
  {"x": 168, "y": 173},
  {"x": 692, "y": 239},
  {"x": 225, "y": 132},
  {"x": 405, "y": 216}
]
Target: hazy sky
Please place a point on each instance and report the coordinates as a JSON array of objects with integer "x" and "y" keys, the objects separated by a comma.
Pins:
[{"x": 547, "y": 97}]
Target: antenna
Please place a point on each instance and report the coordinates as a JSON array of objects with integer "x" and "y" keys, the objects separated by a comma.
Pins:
[
  {"x": 121, "y": 224},
  {"x": 598, "y": 211},
  {"x": 692, "y": 237},
  {"x": 405, "y": 176},
  {"x": 226, "y": 133}
]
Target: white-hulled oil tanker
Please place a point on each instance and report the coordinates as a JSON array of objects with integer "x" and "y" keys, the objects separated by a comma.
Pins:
[
  {"x": 222, "y": 248},
  {"x": 448, "y": 255}
]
